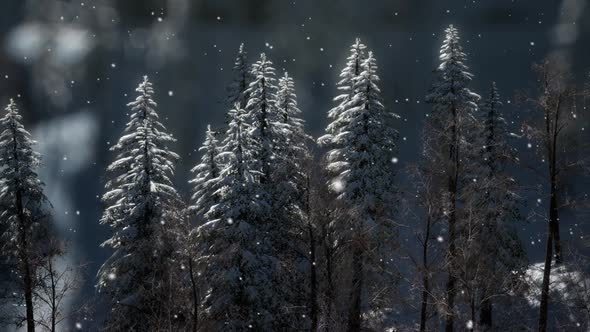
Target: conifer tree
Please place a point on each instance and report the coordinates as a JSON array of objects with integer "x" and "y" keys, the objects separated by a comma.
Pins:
[
  {"x": 22, "y": 203},
  {"x": 237, "y": 89},
  {"x": 291, "y": 213},
  {"x": 449, "y": 126},
  {"x": 206, "y": 177},
  {"x": 262, "y": 116},
  {"x": 500, "y": 252},
  {"x": 349, "y": 74},
  {"x": 142, "y": 209},
  {"x": 204, "y": 197},
  {"x": 361, "y": 160},
  {"x": 491, "y": 255},
  {"x": 240, "y": 270}
]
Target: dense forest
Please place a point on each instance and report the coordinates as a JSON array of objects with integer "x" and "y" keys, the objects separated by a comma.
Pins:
[{"x": 282, "y": 231}]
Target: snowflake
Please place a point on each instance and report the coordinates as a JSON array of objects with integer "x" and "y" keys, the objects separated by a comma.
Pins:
[{"x": 338, "y": 186}]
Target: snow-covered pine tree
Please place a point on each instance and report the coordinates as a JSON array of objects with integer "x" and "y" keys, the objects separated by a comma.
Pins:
[
  {"x": 262, "y": 116},
  {"x": 497, "y": 249},
  {"x": 290, "y": 212},
  {"x": 361, "y": 160},
  {"x": 204, "y": 197},
  {"x": 22, "y": 203},
  {"x": 206, "y": 177},
  {"x": 142, "y": 208},
  {"x": 239, "y": 272},
  {"x": 451, "y": 121},
  {"x": 348, "y": 75},
  {"x": 241, "y": 82}
]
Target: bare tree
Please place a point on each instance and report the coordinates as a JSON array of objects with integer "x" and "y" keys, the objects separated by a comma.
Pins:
[
  {"x": 56, "y": 284},
  {"x": 554, "y": 129}
]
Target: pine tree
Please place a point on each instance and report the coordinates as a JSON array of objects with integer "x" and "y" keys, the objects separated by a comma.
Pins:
[
  {"x": 289, "y": 191},
  {"x": 492, "y": 256},
  {"x": 206, "y": 177},
  {"x": 361, "y": 160},
  {"x": 142, "y": 209},
  {"x": 240, "y": 270},
  {"x": 237, "y": 89},
  {"x": 262, "y": 116},
  {"x": 22, "y": 204},
  {"x": 451, "y": 122},
  {"x": 204, "y": 197},
  {"x": 348, "y": 77}
]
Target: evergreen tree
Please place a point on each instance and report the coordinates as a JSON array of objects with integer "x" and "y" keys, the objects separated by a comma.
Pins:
[
  {"x": 289, "y": 191},
  {"x": 240, "y": 270},
  {"x": 204, "y": 197},
  {"x": 22, "y": 204},
  {"x": 450, "y": 125},
  {"x": 346, "y": 84},
  {"x": 142, "y": 209},
  {"x": 490, "y": 253},
  {"x": 206, "y": 177},
  {"x": 237, "y": 89},
  {"x": 499, "y": 250},
  {"x": 262, "y": 116},
  {"x": 361, "y": 160}
]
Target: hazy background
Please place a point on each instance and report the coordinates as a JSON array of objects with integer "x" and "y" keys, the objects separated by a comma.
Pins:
[{"x": 73, "y": 65}]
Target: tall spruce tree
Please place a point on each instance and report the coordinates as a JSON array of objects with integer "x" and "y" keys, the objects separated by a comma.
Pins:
[
  {"x": 204, "y": 197},
  {"x": 237, "y": 89},
  {"x": 142, "y": 209},
  {"x": 240, "y": 269},
  {"x": 450, "y": 124},
  {"x": 262, "y": 117},
  {"x": 361, "y": 161},
  {"x": 348, "y": 75},
  {"x": 206, "y": 177},
  {"x": 22, "y": 202},
  {"x": 291, "y": 212},
  {"x": 498, "y": 249}
]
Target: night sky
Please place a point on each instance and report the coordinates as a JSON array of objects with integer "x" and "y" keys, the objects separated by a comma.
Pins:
[{"x": 73, "y": 66}]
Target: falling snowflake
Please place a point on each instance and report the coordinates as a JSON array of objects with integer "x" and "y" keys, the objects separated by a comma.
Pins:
[{"x": 338, "y": 186}]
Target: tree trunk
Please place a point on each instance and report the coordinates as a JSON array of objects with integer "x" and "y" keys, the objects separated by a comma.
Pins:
[
  {"x": 313, "y": 296},
  {"x": 425, "y": 279},
  {"x": 26, "y": 263},
  {"x": 54, "y": 307},
  {"x": 424, "y": 308},
  {"x": 28, "y": 285},
  {"x": 329, "y": 256},
  {"x": 485, "y": 314},
  {"x": 451, "y": 281},
  {"x": 354, "y": 312},
  {"x": 195, "y": 295},
  {"x": 545, "y": 287},
  {"x": 553, "y": 227},
  {"x": 453, "y": 180},
  {"x": 551, "y": 236}
]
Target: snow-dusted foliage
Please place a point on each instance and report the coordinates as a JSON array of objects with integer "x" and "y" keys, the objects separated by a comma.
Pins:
[
  {"x": 22, "y": 217},
  {"x": 239, "y": 85},
  {"x": 141, "y": 208},
  {"x": 206, "y": 177},
  {"x": 363, "y": 146},
  {"x": 348, "y": 75},
  {"x": 451, "y": 148},
  {"x": 240, "y": 269},
  {"x": 262, "y": 116}
]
